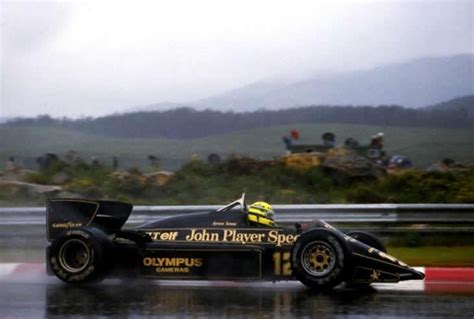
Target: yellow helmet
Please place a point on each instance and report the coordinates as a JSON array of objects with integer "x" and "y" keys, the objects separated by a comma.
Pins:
[{"x": 261, "y": 213}]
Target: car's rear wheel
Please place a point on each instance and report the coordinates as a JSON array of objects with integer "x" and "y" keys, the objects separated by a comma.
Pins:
[
  {"x": 319, "y": 259},
  {"x": 80, "y": 255}
]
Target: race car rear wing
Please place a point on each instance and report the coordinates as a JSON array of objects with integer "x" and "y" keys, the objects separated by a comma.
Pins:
[{"x": 63, "y": 214}]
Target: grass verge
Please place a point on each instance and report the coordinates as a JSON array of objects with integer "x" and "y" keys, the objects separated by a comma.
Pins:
[{"x": 435, "y": 256}]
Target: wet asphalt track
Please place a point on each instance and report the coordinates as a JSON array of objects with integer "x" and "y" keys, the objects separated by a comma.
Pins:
[{"x": 35, "y": 297}]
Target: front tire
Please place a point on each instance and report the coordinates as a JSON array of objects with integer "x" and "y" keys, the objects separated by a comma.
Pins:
[
  {"x": 80, "y": 255},
  {"x": 320, "y": 259},
  {"x": 368, "y": 239}
]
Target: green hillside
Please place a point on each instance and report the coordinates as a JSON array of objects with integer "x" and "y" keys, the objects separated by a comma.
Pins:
[
  {"x": 422, "y": 145},
  {"x": 188, "y": 123}
]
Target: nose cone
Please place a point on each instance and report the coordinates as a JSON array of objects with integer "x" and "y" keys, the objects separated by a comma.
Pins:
[
  {"x": 386, "y": 267},
  {"x": 411, "y": 274}
]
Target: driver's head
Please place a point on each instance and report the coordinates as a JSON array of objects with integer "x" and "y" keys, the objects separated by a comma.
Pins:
[{"x": 261, "y": 213}]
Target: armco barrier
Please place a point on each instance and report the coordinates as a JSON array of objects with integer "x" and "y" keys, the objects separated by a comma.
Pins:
[{"x": 358, "y": 213}]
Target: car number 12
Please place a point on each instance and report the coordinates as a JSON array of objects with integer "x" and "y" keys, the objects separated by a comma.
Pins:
[{"x": 282, "y": 265}]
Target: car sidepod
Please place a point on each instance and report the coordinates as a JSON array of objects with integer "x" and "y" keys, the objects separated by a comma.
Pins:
[{"x": 207, "y": 261}]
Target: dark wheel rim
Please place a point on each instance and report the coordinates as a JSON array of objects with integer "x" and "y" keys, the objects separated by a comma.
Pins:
[
  {"x": 318, "y": 258},
  {"x": 74, "y": 255}
]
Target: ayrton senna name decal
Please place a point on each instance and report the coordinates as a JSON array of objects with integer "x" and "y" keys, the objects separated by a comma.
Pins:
[{"x": 275, "y": 237}]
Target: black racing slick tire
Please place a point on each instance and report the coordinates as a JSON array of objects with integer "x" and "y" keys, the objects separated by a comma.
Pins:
[
  {"x": 80, "y": 255},
  {"x": 320, "y": 259},
  {"x": 368, "y": 239}
]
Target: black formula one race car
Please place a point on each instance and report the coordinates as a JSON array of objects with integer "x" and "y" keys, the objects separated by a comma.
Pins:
[{"x": 88, "y": 244}]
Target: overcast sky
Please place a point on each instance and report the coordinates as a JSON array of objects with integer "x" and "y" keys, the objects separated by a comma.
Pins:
[{"x": 93, "y": 58}]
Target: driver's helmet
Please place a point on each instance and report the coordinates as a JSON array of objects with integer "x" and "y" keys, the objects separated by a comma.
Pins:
[{"x": 261, "y": 213}]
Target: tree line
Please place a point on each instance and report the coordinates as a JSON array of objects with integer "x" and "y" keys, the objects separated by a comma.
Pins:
[{"x": 189, "y": 123}]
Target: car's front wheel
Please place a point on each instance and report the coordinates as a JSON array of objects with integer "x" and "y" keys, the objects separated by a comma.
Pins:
[
  {"x": 368, "y": 239},
  {"x": 80, "y": 255},
  {"x": 319, "y": 259}
]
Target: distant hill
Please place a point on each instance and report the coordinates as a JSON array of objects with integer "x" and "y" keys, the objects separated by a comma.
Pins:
[
  {"x": 163, "y": 106},
  {"x": 413, "y": 84},
  {"x": 463, "y": 105},
  {"x": 188, "y": 123},
  {"x": 5, "y": 119}
]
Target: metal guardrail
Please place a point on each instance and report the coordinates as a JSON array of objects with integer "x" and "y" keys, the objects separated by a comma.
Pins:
[{"x": 358, "y": 213}]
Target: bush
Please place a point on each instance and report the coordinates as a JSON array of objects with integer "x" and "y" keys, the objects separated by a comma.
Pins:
[
  {"x": 201, "y": 183},
  {"x": 38, "y": 178},
  {"x": 85, "y": 187},
  {"x": 364, "y": 194},
  {"x": 428, "y": 187}
]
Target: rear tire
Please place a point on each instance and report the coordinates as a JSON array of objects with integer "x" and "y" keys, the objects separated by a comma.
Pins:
[
  {"x": 320, "y": 259},
  {"x": 80, "y": 255}
]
